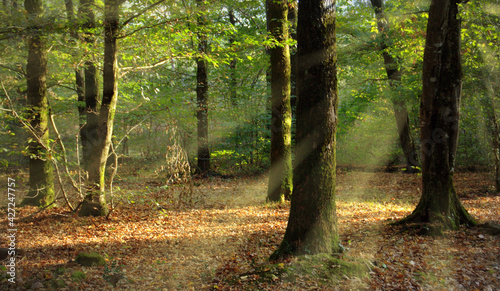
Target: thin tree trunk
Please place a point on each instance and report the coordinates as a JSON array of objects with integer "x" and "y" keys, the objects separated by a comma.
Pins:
[
  {"x": 41, "y": 192},
  {"x": 89, "y": 133},
  {"x": 202, "y": 96},
  {"x": 79, "y": 74},
  {"x": 490, "y": 109},
  {"x": 439, "y": 114},
  {"x": 394, "y": 75},
  {"x": 280, "y": 176},
  {"x": 125, "y": 149},
  {"x": 95, "y": 203},
  {"x": 80, "y": 93},
  {"x": 312, "y": 225},
  {"x": 233, "y": 95},
  {"x": 292, "y": 19}
]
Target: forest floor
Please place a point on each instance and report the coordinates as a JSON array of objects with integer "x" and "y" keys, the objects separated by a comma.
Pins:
[{"x": 218, "y": 233}]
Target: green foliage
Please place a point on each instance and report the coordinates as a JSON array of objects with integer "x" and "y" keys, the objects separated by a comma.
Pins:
[{"x": 158, "y": 47}]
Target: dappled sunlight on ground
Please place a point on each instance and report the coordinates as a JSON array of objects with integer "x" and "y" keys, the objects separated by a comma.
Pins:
[{"x": 229, "y": 231}]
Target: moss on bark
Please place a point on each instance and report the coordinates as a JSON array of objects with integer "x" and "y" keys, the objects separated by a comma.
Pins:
[
  {"x": 280, "y": 175},
  {"x": 312, "y": 225},
  {"x": 41, "y": 192}
]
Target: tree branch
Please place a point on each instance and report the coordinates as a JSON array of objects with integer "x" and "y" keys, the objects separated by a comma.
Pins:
[{"x": 141, "y": 12}]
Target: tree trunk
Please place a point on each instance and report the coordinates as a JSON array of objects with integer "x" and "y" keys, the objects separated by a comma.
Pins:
[
  {"x": 41, "y": 192},
  {"x": 439, "y": 114},
  {"x": 292, "y": 19},
  {"x": 95, "y": 203},
  {"x": 89, "y": 132},
  {"x": 125, "y": 149},
  {"x": 490, "y": 109},
  {"x": 312, "y": 225},
  {"x": 202, "y": 97},
  {"x": 394, "y": 76},
  {"x": 280, "y": 176},
  {"x": 79, "y": 74},
  {"x": 233, "y": 90},
  {"x": 80, "y": 93}
]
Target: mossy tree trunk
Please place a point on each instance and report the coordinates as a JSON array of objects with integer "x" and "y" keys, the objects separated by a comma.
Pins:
[
  {"x": 95, "y": 202},
  {"x": 292, "y": 19},
  {"x": 280, "y": 176},
  {"x": 41, "y": 192},
  {"x": 439, "y": 114},
  {"x": 312, "y": 225},
  {"x": 394, "y": 75},
  {"x": 202, "y": 94}
]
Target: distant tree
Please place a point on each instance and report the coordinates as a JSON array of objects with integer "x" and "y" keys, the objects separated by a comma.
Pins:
[
  {"x": 233, "y": 82},
  {"x": 439, "y": 114},
  {"x": 280, "y": 176},
  {"x": 312, "y": 225},
  {"x": 202, "y": 94},
  {"x": 41, "y": 191},
  {"x": 392, "y": 68},
  {"x": 491, "y": 113}
]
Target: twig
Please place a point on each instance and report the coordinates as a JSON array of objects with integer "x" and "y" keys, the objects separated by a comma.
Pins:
[
  {"x": 54, "y": 161},
  {"x": 142, "y": 12},
  {"x": 24, "y": 123},
  {"x": 64, "y": 155},
  {"x": 113, "y": 174}
]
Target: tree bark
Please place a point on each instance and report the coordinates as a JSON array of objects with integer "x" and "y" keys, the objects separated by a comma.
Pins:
[
  {"x": 89, "y": 131},
  {"x": 41, "y": 192},
  {"x": 439, "y": 114},
  {"x": 95, "y": 203},
  {"x": 280, "y": 176},
  {"x": 312, "y": 225},
  {"x": 394, "y": 75},
  {"x": 202, "y": 96},
  {"x": 292, "y": 19},
  {"x": 491, "y": 114},
  {"x": 233, "y": 90}
]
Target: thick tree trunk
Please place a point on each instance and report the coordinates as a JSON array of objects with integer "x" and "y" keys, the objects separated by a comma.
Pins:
[
  {"x": 394, "y": 76},
  {"x": 439, "y": 114},
  {"x": 95, "y": 203},
  {"x": 202, "y": 98},
  {"x": 280, "y": 176},
  {"x": 41, "y": 192},
  {"x": 312, "y": 225}
]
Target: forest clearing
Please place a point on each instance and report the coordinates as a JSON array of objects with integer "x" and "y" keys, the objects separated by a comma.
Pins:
[{"x": 222, "y": 236}]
